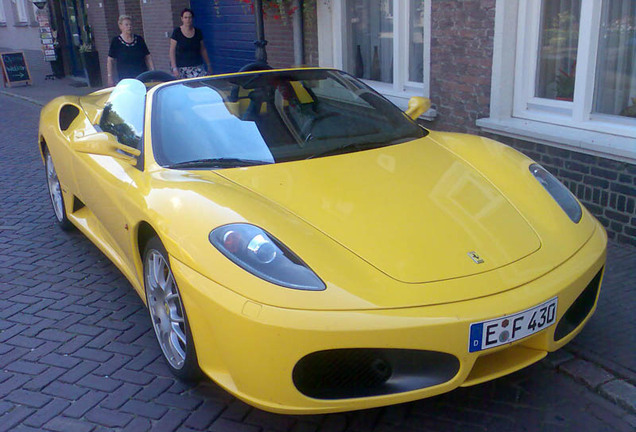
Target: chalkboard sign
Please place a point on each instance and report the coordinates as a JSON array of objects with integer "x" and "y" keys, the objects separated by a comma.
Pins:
[{"x": 14, "y": 68}]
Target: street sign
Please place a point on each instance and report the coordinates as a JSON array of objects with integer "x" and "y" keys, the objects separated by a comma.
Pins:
[{"x": 14, "y": 68}]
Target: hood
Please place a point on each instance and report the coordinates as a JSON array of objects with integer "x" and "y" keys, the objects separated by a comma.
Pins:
[{"x": 415, "y": 211}]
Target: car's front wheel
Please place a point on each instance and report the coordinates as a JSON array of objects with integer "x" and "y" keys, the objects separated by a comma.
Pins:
[
  {"x": 167, "y": 313},
  {"x": 55, "y": 192}
]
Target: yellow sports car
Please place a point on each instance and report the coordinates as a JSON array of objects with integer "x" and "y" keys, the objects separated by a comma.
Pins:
[{"x": 309, "y": 247}]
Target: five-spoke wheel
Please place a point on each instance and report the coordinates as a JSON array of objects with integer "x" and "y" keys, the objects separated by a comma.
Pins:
[
  {"x": 167, "y": 312},
  {"x": 55, "y": 192}
]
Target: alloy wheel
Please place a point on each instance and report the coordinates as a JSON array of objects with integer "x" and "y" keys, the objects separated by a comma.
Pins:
[
  {"x": 166, "y": 310},
  {"x": 55, "y": 190}
]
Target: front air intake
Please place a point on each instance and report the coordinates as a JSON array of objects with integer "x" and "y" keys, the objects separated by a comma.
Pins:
[
  {"x": 580, "y": 309},
  {"x": 361, "y": 372}
]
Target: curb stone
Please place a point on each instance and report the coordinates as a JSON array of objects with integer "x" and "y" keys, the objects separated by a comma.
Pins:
[
  {"x": 620, "y": 392},
  {"x": 596, "y": 378},
  {"x": 615, "y": 369},
  {"x": 588, "y": 373},
  {"x": 24, "y": 98}
]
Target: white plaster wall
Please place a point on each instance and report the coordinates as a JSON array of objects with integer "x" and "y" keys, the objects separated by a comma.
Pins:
[{"x": 20, "y": 37}]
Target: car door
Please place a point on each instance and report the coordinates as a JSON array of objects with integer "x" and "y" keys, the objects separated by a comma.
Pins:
[{"x": 105, "y": 183}]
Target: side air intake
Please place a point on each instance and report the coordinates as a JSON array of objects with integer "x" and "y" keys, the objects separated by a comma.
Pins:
[{"x": 68, "y": 113}]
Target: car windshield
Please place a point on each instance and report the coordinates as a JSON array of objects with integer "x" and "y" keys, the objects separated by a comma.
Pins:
[{"x": 270, "y": 117}]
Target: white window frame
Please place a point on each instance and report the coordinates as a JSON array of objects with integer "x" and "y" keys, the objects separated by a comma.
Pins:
[
  {"x": 3, "y": 15},
  {"x": 21, "y": 12},
  {"x": 515, "y": 112},
  {"x": 33, "y": 13},
  {"x": 332, "y": 37}
]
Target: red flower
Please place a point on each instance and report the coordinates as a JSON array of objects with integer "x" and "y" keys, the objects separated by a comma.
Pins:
[{"x": 278, "y": 9}]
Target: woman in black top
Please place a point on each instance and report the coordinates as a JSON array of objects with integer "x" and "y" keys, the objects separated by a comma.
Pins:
[
  {"x": 187, "y": 50},
  {"x": 129, "y": 52}
]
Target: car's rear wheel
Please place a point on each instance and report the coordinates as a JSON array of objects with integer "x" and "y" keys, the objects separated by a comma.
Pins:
[
  {"x": 167, "y": 313},
  {"x": 55, "y": 192}
]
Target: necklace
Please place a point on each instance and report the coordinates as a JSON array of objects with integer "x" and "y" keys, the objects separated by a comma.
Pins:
[{"x": 131, "y": 43}]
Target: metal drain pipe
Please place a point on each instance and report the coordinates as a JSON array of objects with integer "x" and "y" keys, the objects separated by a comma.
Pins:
[{"x": 297, "y": 22}]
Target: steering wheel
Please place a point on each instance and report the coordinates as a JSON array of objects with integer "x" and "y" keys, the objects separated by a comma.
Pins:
[
  {"x": 154, "y": 76},
  {"x": 255, "y": 66},
  {"x": 307, "y": 129}
]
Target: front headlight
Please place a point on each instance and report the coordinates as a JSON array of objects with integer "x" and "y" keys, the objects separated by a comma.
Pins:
[
  {"x": 559, "y": 192},
  {"x": 258, "y": 252}
]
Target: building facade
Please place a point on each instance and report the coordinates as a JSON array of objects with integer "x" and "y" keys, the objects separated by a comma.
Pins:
[
  {"x": 18, "y": 25},
  {"x": 19, "y": 31}
]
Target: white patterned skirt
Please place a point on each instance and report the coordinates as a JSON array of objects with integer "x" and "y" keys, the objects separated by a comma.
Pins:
[{"x": 191, "y": 71}]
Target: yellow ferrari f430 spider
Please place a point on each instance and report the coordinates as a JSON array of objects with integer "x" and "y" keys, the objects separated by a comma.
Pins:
[{"x": 310, "y": 247}]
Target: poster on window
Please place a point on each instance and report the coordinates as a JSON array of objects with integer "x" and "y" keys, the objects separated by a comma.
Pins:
[{"x": 47, "y": 38}]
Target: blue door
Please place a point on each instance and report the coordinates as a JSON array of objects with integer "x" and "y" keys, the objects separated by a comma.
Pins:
[{"x": 228, "y": 31}]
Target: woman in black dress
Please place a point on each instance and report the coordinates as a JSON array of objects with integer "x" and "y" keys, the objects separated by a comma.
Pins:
[
  {"x": 187, "y": 50},
  {"x": 129, "y": 52}
]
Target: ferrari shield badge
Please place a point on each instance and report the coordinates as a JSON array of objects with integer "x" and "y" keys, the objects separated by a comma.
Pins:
[{"x": 473, "y": 255}]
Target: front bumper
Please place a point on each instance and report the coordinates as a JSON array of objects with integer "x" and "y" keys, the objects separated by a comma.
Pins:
[{"x": 251, "y": 349}]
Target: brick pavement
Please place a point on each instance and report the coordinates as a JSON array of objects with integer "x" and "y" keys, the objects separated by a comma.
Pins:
[
  {"x": 77, "y": 351},
  {"x": 612, "y": 342}
]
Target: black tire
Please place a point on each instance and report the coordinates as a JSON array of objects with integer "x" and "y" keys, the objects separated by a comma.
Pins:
[
  {"x": 55, "y": 192},
  {"x": 177, "y": 344}
]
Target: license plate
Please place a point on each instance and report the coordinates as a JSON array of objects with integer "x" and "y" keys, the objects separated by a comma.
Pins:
[{"x": 492, "y": 333}]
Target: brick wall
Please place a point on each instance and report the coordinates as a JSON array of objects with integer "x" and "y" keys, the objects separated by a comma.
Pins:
[
  {"x": 133, "y": 9},
  {"x": 606, "y": 187},
  {"x": 102, "y": 17},
  {"x": 158, "y": 25},
  {"x": 177, "y": 7},
  {"x": 280, "y": 42},
  {"x": 461, "y": 62},
  {"x": 280, "y": 37}
]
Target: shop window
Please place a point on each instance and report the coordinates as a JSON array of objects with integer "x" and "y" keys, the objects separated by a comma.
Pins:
[
  {"x": 574, "y": 74},
  {"x": 386, "y": 43}
]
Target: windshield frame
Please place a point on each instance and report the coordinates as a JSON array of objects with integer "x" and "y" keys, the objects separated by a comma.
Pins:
[{"x": 346, "y": 80}]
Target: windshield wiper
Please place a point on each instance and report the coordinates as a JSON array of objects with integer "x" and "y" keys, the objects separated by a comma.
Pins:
[
  {"x": 217, "y": 163},
  {"x": 352, "y": 147}
]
